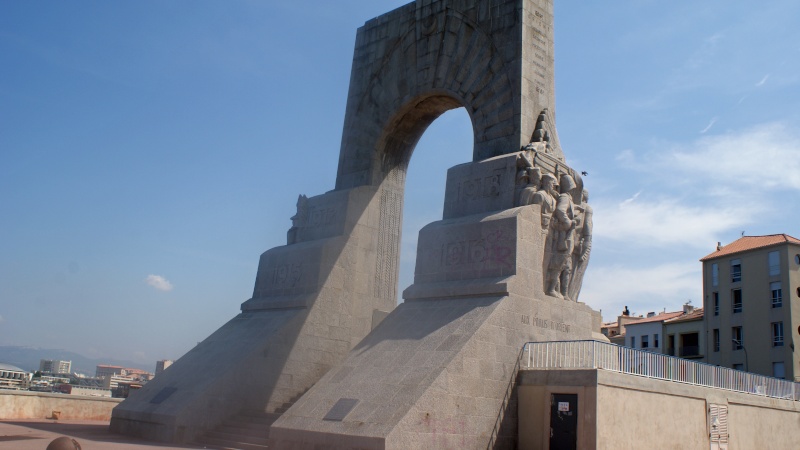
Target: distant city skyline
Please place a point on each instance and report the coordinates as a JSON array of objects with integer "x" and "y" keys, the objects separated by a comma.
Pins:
[{"x": 151, "y": 151}]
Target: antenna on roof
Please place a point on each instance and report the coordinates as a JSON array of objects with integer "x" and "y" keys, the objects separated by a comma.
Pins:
[{"x": 742, "y": 233}]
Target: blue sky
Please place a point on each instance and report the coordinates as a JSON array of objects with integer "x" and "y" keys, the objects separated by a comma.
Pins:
[{"x": 150, "y": 151}]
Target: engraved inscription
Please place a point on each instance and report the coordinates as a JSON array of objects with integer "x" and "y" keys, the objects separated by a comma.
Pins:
[
  {"x": 491, "y": 248},
  {"x": 480, "y": 187},
  {"x": 547, "y": 324},
  {"x": 284, "y": 275},
  {"x": 320, "y": 217}
]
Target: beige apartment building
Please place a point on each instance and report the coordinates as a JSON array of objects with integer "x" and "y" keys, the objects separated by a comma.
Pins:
[{"x": 751, "y": 294}]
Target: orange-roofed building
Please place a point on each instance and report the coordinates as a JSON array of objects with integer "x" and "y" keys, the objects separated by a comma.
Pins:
[{"x": 751, "y": 297}]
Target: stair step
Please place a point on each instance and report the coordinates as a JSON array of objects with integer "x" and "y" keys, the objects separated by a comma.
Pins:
[
  {"x": 229, "y": 445},
  {"x": 248, "y": 430},
  {"x": 227, "y": 435}
]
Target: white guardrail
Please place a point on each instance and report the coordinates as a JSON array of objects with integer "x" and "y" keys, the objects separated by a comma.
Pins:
[{"x": 601, "y": 355}]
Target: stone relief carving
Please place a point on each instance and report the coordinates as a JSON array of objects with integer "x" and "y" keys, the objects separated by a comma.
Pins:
[
  {"x": 566, "y": 217},
  {"x": 580, "y": 258},
  {"x": 562, "y": 234},
  {"x": 298, "y": 220}
]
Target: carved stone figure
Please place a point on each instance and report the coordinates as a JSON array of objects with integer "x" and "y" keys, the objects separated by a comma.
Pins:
[
  {"x": 298, "y": 220},
  {"x": 563, "y": 240},
  {"x": 534, "y": 178},
  {"x": 545, "y": 196},
  {"x": 580, "y": 257}
]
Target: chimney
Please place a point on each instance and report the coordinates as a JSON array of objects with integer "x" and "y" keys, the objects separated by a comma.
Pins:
[
  {"x": 688, "y": 309},
  {"x": 651, "y": 314},
  {"x": 719, "y": 246}
]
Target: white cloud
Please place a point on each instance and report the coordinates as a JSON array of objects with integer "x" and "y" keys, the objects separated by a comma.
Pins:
[
  {"x": 705, "y": 188},
  {"x": 665, "y": 222},
  {"x": 610, "y": 288},
  {"x": 159, "y": 282},
  {"x": 763, "y": 80},
  {"x": 763, "y": 157}
]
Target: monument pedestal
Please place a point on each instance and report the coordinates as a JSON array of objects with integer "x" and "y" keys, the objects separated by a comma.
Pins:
[
  {"x": 439, "y": 371},
  {"x": 313, "y": 301}
]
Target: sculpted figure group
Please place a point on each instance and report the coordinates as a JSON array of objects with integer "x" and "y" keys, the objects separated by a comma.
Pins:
[{"x": 567, "y": 226}]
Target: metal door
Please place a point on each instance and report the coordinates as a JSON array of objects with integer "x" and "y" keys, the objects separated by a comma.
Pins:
[{"x": 563, "y": 421}]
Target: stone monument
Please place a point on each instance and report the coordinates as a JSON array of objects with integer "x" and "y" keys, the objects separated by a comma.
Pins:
[{"x": 321, "y": 343}]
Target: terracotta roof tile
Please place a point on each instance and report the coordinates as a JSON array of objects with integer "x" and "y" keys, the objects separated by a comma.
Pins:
[
  {"x": 751, "y": 243},
  {"x": 697, "y": 314},
  {"x": 656, "y": 318}
]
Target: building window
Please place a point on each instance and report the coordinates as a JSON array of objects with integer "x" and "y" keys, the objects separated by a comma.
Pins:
[
  {"x": 778, "y": 370},
  {"x": 715, "y": 274},
  {"x": 777, "y": 334},
  {"x": 716, "y": 339},
  {"x": 777, "y": 294},
  {"x": 736, "y": 270},
  {"x": 645, "y": 341},
  {"x": 738, "y": 367},
  {"x": 736, "y": 300},
  {"x": 736, "y": 338},
  {"x": 715, "y": 295},
  {"x": 633, "y": 341},
  {"x": 655, "y": 340},
  {"x": 774, "y": 264}
]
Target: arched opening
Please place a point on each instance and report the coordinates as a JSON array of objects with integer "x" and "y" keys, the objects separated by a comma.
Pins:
[
  {"x": 446, "y": 142},
  {"x": 450, "y": 141}
]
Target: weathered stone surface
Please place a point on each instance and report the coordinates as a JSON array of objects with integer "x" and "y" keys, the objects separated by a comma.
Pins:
[
  {"x": 422, "y": 59},
  {"x": 436, "y": 372}
]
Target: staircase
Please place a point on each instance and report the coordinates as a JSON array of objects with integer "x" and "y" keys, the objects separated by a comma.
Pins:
[{"x": 248, "y": 430}]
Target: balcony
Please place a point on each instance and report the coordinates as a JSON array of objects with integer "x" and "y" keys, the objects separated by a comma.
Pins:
[{"x": 690, "y": 351}]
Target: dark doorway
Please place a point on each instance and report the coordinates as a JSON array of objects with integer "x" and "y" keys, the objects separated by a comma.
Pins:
[{"x": 563, "y": 421}]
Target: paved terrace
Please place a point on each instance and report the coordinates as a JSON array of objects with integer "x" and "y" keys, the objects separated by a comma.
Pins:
[{"x": 37, "y": 434}]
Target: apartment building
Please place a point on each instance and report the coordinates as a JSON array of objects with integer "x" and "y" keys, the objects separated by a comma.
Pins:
[
  {"x": 55, "y": 366},
  {"x": 751, "y": 295}
]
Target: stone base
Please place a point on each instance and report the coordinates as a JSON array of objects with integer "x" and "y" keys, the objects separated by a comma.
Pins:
[
  {"x": 440, "y": 370},
  {"x": 436, "y": 373}
]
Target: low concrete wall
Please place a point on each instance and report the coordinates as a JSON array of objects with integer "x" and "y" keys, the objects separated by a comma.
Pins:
[
  {"x": 622, "y": 411},
  {"x": 15, "y": 405}
]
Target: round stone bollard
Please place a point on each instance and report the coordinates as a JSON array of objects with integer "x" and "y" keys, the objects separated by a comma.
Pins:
[{"x": 64, "y": 443}]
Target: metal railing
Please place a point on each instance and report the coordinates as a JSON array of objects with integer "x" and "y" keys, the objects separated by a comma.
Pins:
[{"x": 612, "y": 357}]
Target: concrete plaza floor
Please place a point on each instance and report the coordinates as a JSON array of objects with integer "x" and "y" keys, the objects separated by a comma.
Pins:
[{"x": 37, "y": 434}]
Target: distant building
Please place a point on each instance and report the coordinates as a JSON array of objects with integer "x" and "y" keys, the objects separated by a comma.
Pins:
[
  {"x": 751, "y": 294},
  {"x": 648, "y": 333},
  {"x": 615, "y": 331},
  {"x": 686, "y": 334},
  {"x": 12, "y": 377},
  {"x": 55, "y": 366},
  {"x": 162, "y": 365},
  {"x": 116, "y": 374},
  {"x": 103, "y": 370}
]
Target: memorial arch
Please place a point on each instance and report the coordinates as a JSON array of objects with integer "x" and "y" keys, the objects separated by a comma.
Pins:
[{"x": 322, "y": 334}]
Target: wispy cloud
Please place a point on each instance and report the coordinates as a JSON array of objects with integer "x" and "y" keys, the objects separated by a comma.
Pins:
[
  {"x": 763, "y": 157},
  {"x": 610, "y": 288},
  {"x": 708, "y": 127},
  {"x": 706, "y": 187},
  {"x": 159, "y": 282},
  {"x": 665, "y": 222},
  {"x": 763, "y": 80}
]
